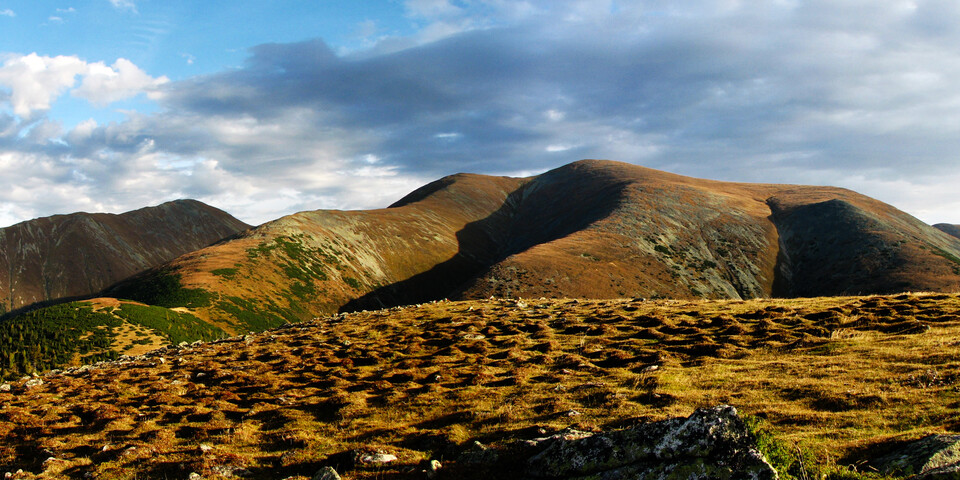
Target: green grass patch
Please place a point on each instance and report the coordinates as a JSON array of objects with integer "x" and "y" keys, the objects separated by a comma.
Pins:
[
  {"x": 949, "y": 256},
  {"x": 792, "y": 461},
  {"x": 176, "y": 326},
  {"x": 162, "y": 288},
  {"x": 228, "y": 273},
  {"x": 253, "y": 316}
]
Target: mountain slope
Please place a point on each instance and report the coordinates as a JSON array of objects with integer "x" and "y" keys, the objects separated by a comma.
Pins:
[
  {"x": 949, "y": 229},
  {"x": 596, "y": 229},
  {"x": 80, "y": 254}
]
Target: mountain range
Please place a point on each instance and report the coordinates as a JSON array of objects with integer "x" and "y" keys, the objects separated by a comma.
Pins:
[
  {"x": 594, "y": 229},
  {"x": 589, "y": 229},
  {"x": 80, "y": 254}
]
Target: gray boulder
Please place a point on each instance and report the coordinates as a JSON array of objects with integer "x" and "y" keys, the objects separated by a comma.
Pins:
[
  {"x": 934, "y": 457},
  {"x": 326, "y": 473},
  {"x": 713, "y": 443}
]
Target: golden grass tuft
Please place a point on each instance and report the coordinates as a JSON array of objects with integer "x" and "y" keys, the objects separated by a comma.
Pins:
[{"x": 827, "y": 374}]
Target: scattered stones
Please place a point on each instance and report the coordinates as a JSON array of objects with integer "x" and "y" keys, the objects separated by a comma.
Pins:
[
  {"x": 326, "y": 473},
  {"x": 933, "y": 457},
  {"x": 230, "y": 471},
  {"x": 378, "y": 458},
  {"x": 479, "y": 454},
  {"x": 33, "y": 383},
  {"x": 5, "y": 387},
  {"x": 433, "y": 469}
]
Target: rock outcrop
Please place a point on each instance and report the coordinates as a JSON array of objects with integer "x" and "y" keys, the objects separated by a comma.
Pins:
[{"x": 711, "y": 443}]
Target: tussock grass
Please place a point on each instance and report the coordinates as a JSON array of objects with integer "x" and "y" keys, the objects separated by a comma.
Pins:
[{"x": 833, "y": 378}]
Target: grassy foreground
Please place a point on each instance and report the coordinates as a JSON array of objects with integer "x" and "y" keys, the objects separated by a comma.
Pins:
[{"x": 835, "y": 379}]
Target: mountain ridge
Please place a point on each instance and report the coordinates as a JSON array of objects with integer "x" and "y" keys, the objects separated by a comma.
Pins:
[
  {"x": 589, "y": 229},
  {"x": 79, "y": 254}
]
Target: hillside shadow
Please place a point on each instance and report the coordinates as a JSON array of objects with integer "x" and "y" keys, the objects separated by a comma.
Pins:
[
  {"x": 538, "y": 212},
  {"x": 44, "y": 304},
  {"x": 834, "y": 247}
]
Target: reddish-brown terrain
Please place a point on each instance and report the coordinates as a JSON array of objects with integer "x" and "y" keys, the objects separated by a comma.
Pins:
[
  {"x": 80, "y": 254},
  {"x": 590, "y": 229}
]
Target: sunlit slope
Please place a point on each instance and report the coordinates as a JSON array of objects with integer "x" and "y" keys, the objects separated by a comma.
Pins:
[{"x": 590, "y": 229}]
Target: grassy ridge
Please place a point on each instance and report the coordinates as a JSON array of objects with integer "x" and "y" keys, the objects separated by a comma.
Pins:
[{"x": 175, "y": 326}]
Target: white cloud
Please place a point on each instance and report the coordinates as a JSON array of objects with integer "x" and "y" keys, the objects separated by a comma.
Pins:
[
  {"x": 555, "y": 115},
  {"x": 7, "y": 13},
  {"x": 83, "y": 130},
  {"x": 36, "y": 81},
  {"x": 124, "y": 4},
  {"x": 782, "y": 91},
  {"x": 103, "y": 85},
  {"x": 432, "y": 8}
]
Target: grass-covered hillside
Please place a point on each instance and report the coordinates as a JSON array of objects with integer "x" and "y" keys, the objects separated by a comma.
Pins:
[
  {"x": 830, "y": 383},
  {"x": 590, "y": 229},
  {"x": 77, "y": 333}
]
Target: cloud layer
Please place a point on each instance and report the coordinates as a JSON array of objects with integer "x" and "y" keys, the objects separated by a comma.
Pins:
[{"x": 851, "y": 93}]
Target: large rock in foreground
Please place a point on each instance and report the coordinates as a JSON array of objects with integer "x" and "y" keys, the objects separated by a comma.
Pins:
[
  {"x": 934, "y": 457},
  {"x": 713, "y": 443}
]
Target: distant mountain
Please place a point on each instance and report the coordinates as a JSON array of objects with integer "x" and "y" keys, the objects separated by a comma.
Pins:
[
  {"x": 595, "y": 229},
  {"x": 949, "y": 229},
  {"x": 79, "y": 254}
]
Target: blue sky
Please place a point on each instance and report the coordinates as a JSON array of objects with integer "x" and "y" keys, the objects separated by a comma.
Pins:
[{"x": 268, "y": 108}]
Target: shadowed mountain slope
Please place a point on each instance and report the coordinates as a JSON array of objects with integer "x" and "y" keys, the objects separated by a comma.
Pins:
[
  {"x": 595, "y": 229},
  {"x": 80, "y": 254},
  {"x": 949, "y": 229}
]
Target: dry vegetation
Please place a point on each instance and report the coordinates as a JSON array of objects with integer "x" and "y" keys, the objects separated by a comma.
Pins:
[{"x": 838, "y": 377}]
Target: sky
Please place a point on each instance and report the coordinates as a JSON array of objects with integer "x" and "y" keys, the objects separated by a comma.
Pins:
[{"x": 264, "y": 109}]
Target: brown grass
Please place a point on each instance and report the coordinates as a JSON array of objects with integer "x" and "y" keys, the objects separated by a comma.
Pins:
[{"x": 837, "y": 376}]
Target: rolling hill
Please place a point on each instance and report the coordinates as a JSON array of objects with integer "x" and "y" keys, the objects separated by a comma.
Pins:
[
  {"x": 80, "y": 254},
  {"x": 590, "y": 229}
]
